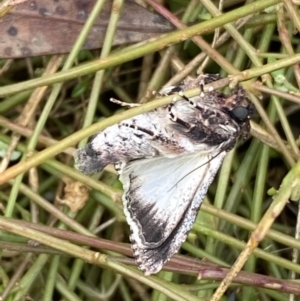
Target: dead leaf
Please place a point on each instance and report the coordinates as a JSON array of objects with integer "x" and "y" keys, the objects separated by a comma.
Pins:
[
  {"x": 38, "y": 27},
  {"x": 76, "y": 195}
]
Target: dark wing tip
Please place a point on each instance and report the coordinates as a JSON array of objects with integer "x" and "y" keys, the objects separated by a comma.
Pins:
[
  {"x": 88, "y": 161},
  {"x": 149, "y": 261}
]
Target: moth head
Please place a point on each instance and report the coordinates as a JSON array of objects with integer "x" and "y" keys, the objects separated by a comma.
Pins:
[
  {"x": 238, "y": 106},
  {"x": 240, "y": 113}
]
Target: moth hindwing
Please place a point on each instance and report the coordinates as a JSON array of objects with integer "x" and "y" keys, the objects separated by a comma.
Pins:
[{"x": 167, "y": 158}]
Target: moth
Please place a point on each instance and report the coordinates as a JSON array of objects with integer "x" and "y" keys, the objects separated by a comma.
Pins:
[{"x": 166, "y": 160}]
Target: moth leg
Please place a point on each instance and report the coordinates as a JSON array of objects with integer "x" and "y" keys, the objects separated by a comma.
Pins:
[
  {"x": 202, "y": 84},
  {"x": 189, "y": 100},
  {"x": 170, "y": 90}
]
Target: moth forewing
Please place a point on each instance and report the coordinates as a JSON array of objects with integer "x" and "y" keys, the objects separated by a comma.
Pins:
[{"x": 167, "y": 158}]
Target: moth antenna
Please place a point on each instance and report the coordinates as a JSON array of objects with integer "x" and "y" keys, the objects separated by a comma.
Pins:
[{"x": 124, "y": 104}]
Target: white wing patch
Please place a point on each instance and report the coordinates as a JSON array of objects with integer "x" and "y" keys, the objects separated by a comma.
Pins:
[{"x": 161, "y": 199}]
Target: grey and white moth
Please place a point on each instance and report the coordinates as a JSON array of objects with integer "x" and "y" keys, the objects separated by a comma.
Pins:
[{"x": 167, "y": 159}]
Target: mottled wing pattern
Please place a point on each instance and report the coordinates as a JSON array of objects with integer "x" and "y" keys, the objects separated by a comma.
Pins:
[
  {"x": 161, "y": 200},
  {"x": 167, "y": 158}
]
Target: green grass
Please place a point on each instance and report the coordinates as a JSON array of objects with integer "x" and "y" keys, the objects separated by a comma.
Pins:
[{"x": 50, "y": 105}]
